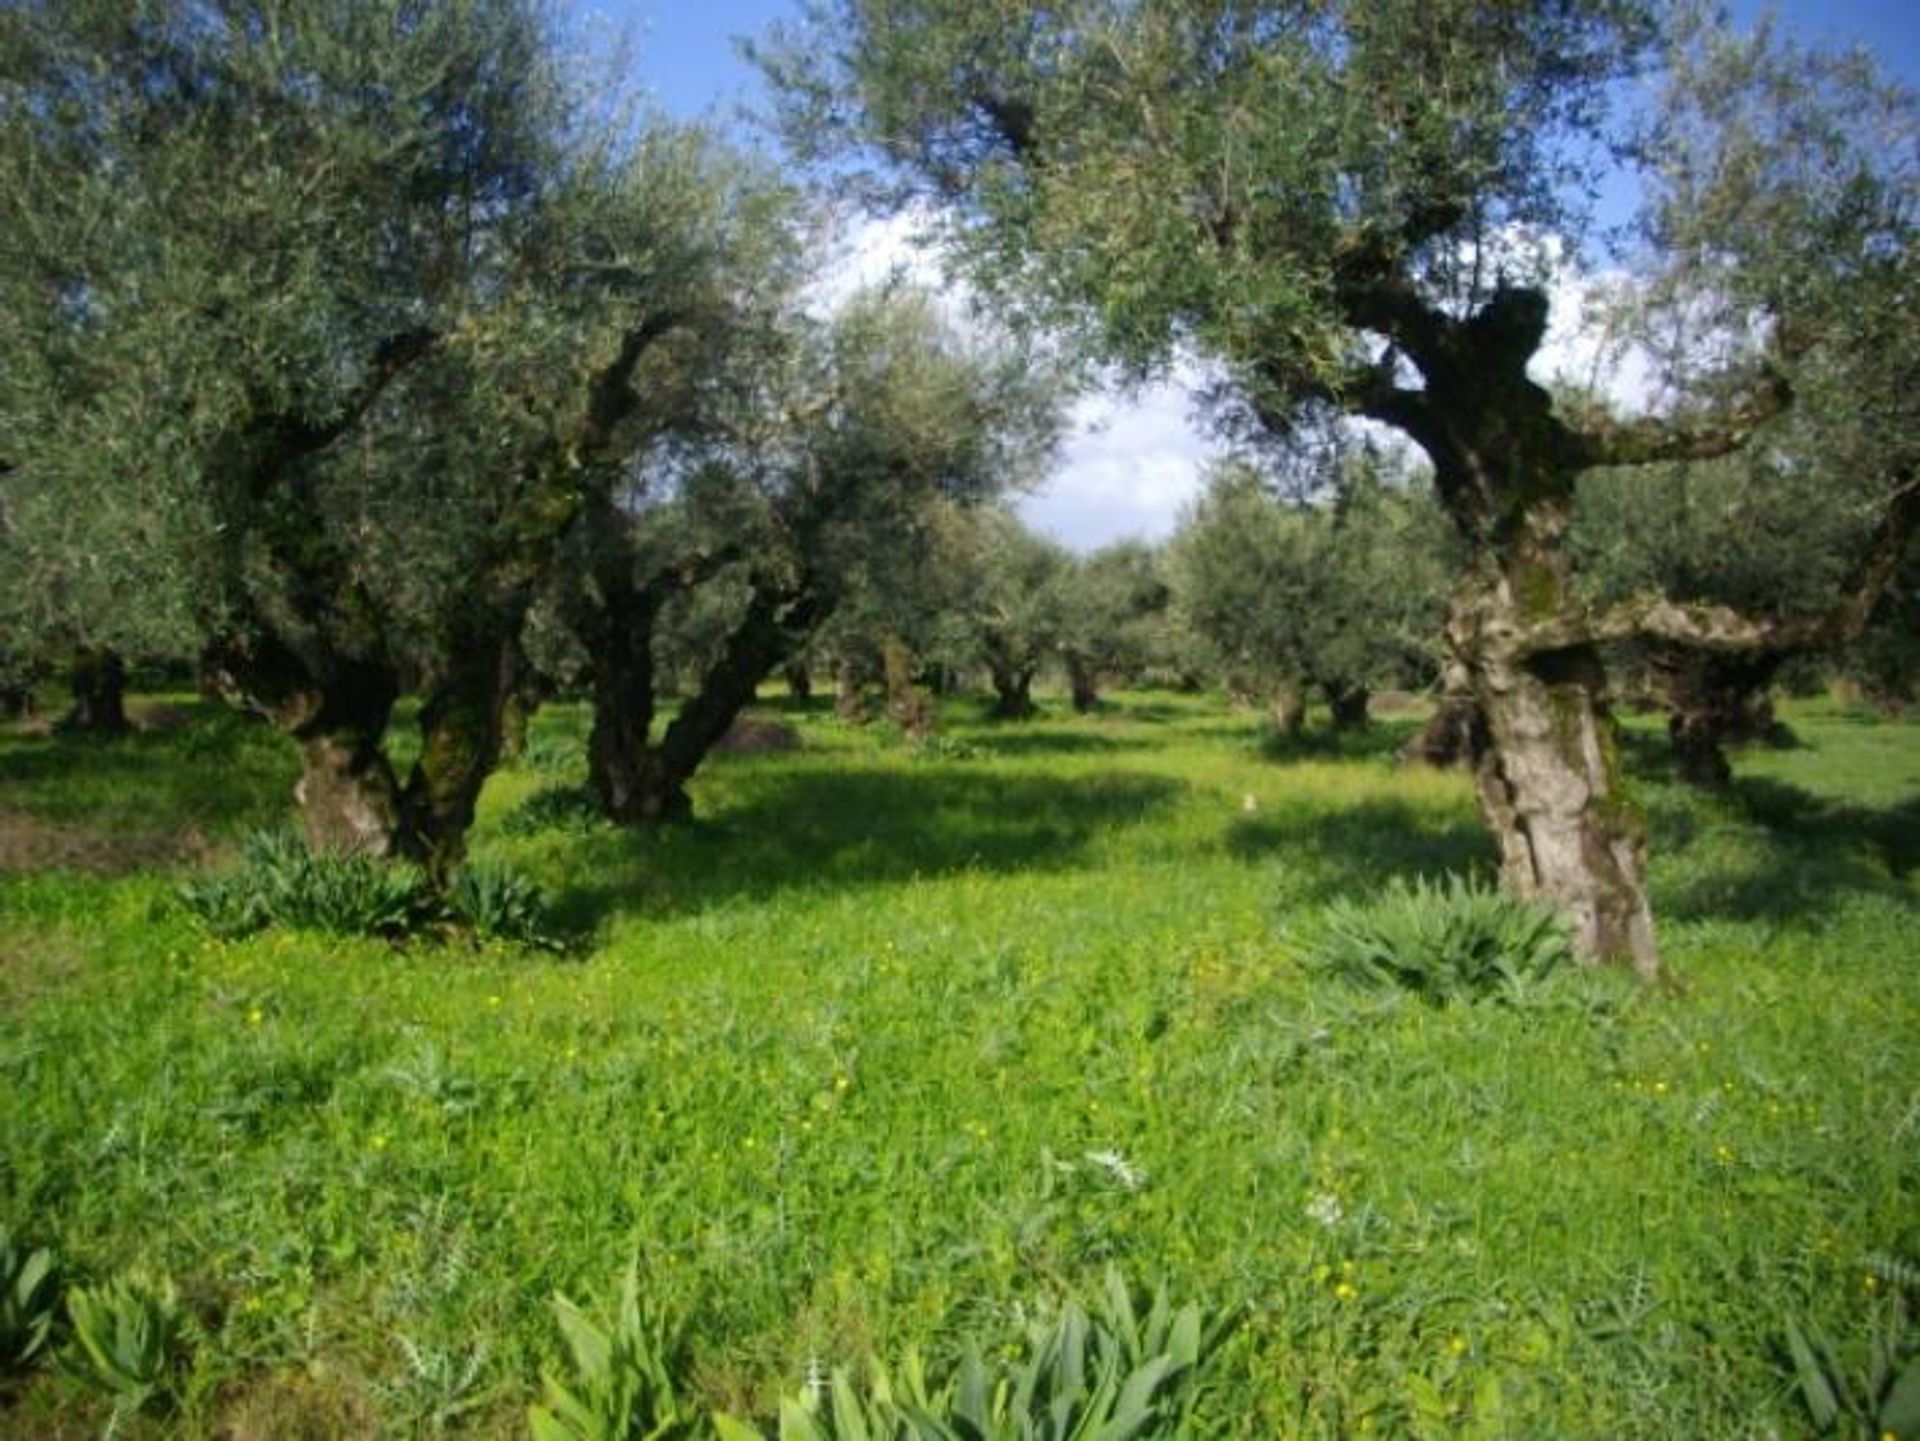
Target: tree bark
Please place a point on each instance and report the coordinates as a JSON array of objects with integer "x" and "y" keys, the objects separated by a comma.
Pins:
[
  {"x": 1083, "y": 683},
  {"x": 464, "y": 722},
  {"x": 1287, "y": 708},
  {"x": 799, "y": 680},
  {"x": 851, "y": 703},
  {"x": 336, "y": 710},
  {"x": 908, "y": 706},
  {"x": 1714, "y": 701},
  {"x": 1013, "y": 692},
  {"x": 99, "y": 679},
  {"x": 1349, "y": 706}
]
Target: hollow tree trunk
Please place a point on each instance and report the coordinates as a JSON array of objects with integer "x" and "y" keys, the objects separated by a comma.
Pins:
[
  {"x": 1287, "y": 708},
  {"x": 99, "y": 679},
  {"x": 1013, "y": 692},
  {"x": 1349, "y": 706},
  {"x": 1083, "y": 683}
]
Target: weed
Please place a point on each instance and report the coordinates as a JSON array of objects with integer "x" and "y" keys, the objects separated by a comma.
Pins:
[
  {"x": 1457, "y": 941},
  {"x": 126, "y": 1336},
  {"x": 621, "y": 1387},
  {"x": 26, "y": 1304}
]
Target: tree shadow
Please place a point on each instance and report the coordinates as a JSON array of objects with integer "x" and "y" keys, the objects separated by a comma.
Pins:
[
  {"x": 1003, "y": 742},
  {"x": 1379, "y": 740},
  {"x": 1765, "y": 849},
  {"x": 152, "y": 795},
  {"x": 1345, "y": 852},
  {"x": 797, "y": 829}
]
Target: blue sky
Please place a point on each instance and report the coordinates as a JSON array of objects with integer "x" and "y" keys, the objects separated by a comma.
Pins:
[{"x": 1135, "y": 459}]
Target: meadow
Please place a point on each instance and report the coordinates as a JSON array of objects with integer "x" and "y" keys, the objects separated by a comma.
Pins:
[{"x": 895, "y": 1046}]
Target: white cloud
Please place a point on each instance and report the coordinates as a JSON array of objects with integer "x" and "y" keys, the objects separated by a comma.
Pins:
[{"x": 1131, "y": 462}]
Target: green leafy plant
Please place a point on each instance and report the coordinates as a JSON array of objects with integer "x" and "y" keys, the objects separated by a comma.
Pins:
[
  {"x": 1114, "y": 1374},
  {"x": 621, "y": 1387},
  {"x": 1878, "y": 1393},
  {"x": 568, "y": 810},
  {"x": 126, "y": 1335},
  {"x": 502, "y": 905},
  {"x": 26, "y": 1303},
  {"x": 1455, "y": 940},
  {"x": 281, "y": 882}
]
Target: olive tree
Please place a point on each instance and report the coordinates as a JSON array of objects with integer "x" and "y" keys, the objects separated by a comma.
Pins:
[
  {"x": 1345, "y": 595},
  {"x": 361, "y": 308},
  {"x": 822, "y": 474},
  {"x": 1113, "y": 607},
  {"x": 1326, "y": 200}
]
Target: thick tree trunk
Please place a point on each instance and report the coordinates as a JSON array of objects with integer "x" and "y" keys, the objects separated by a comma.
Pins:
[
  {"x": 1549, "y": 783},
  {"x": 851, "y": 685},
  {"x": 1713, "y": 701},
  {"x": 799, "y": 680},
  {"x": 1013, "y": 692},
  {"x": 908, "y": 706},
  {"x": 463, "y": 726},
  {"x": 1349, "y": 706},
  {"x": 99, "y": 680},
  {"x": 1449, "y": 737},
  {"x": 1287, "y": 708},
  {"x": 1083, "y": 683},
  {"x": 336, "y": 711}
]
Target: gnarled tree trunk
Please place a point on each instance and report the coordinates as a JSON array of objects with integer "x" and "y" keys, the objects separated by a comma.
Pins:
[
  {"x": 336, "y": 710},
  {"x": 1083, "y": 683},
  {"x": 908, "y": 706},
  {"x": 1549, "y": 782},
  {"x": 1349, "y": 706},
  {"x": 1013, "y": 692},
  {"x": 99, "y": 708},
  {"x": 464, "y": 722}
]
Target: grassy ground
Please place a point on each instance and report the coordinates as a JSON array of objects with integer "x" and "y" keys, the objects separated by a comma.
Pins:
[{"x": 890, "y": 1046}]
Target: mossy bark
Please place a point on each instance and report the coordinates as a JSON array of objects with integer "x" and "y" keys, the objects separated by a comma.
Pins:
[{"x": 464, "y": 722}]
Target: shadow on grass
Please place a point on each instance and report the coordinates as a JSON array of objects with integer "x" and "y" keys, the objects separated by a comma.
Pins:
[
  {"x": 154, "y": 793},
  {"x": 844, "y": 830},
  {"x": 1348, "y": 851},
  {"x": 1767, "y": 850},
  {"x": 1380, "y": 740},
  {"x": 1002, "y": 740}
]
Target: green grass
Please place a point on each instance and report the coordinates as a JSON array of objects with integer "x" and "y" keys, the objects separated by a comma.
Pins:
[{"x": 839, "y": 1059}]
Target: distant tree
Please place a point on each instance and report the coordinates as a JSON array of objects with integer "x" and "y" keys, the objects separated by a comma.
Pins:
[
  {"x": 333, "y": 324},
  {"x": 1113, "y": 615},
  {"x": 1330, "y": 201},
  {"x": 825, "y": 476},
  {"x": 1344, "y": 596},
  {"x": 1011, "y": 608}
]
